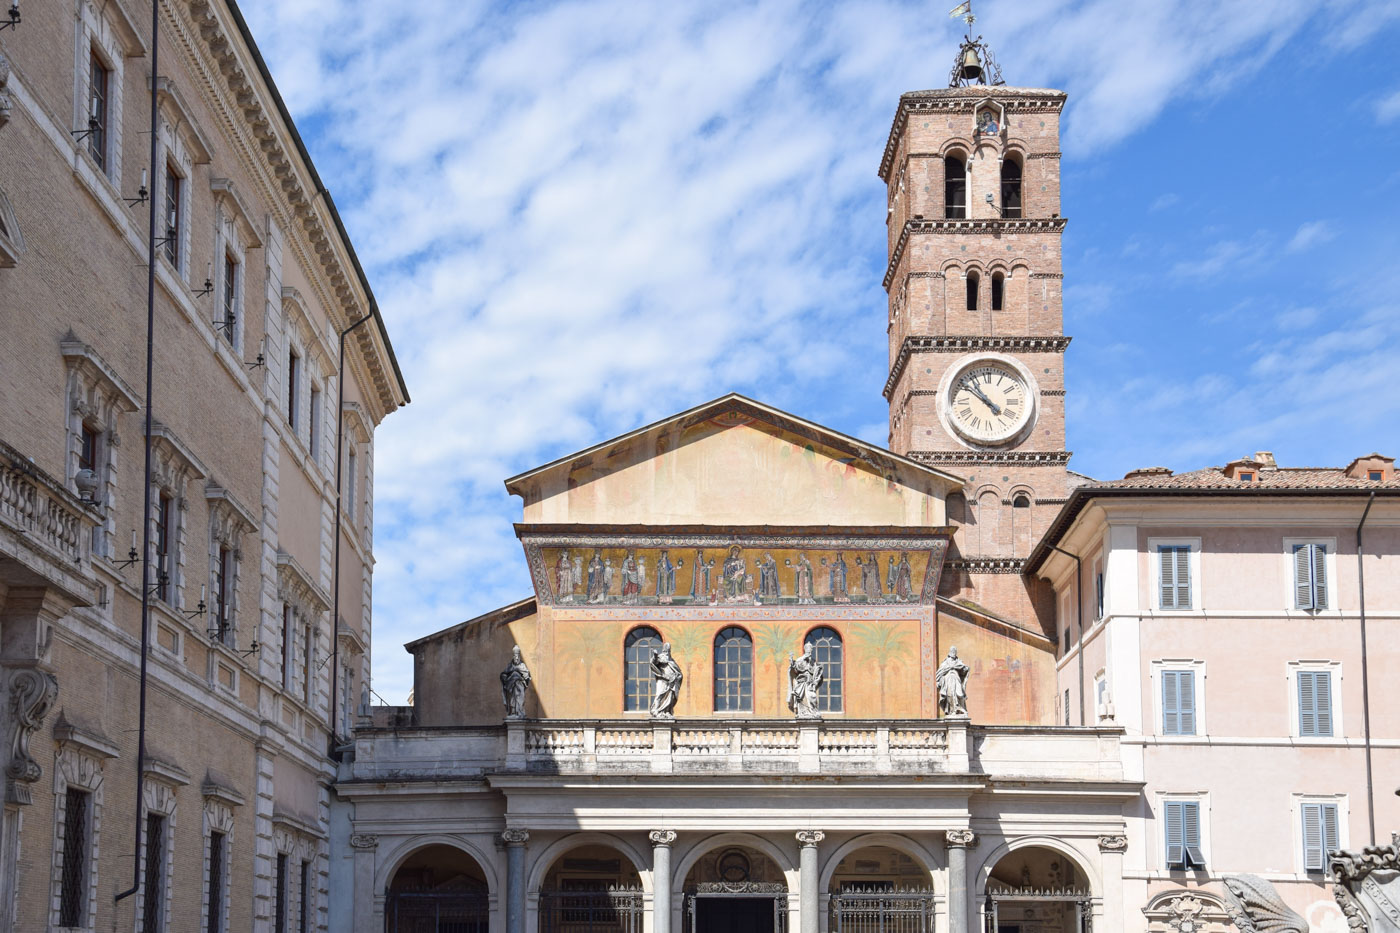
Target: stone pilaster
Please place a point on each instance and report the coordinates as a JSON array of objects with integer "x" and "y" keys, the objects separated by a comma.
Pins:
[
  {"x": 364, "y": 845},
  {"x": 661, "y": 840}
]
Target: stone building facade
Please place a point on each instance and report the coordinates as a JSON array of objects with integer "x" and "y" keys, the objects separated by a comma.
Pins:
[{"x": 254, "y": 281}]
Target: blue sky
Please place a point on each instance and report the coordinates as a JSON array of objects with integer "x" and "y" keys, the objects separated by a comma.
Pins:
[{"x": 579, "y": 217}]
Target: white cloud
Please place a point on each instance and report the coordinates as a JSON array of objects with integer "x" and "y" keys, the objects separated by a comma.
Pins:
[
  {"x": 1388, "y": 108},
  {"x": 1311, "y": 234},
  {"x": 582, "y": 216},
  {"x": 1164, "y": 201}
]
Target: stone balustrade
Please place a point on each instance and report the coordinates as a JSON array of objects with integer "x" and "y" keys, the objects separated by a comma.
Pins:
[
  {"x": 828, "y": 747},
  {"x": 34, "y": 505}
]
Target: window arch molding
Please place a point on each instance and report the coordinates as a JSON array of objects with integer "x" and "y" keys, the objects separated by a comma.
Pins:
[
  {"x": 830, "y": 650},
  {"x": 638, "y": 687},
  {"x": 733, "y": 670}
]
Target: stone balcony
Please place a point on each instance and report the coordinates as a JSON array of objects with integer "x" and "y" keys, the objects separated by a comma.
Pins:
[
  {"x": 737, "y": 747},
  {"x": 45, "y": 530}
]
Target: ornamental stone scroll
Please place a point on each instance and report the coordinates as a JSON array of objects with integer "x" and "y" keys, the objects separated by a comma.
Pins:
[
  {"x": 364, "y": 841},
  {"x": 1113, "y": 843},
  {"x": 960, "y": 839}
]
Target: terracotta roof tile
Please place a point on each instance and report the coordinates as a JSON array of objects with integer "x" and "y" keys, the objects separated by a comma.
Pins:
[{"x": 1264, "y": 480}]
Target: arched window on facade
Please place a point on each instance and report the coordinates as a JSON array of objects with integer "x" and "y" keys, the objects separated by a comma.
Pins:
[
  {"x": 1021, "y": 523},
  {"x": 826, "y": 646},
  {"x": 637, "y": 689},
  {"x": 733, "y": 671},
  {"x": 974, "y": 282},
  {"x": 1010, "y": 188},
  {"x": 998, "y": 290},
  {"x": 954, "y": 188}
]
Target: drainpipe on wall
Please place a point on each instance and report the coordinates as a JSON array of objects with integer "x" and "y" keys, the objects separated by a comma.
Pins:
[
  {"x": 1079, "y": 618},
  {"x": 1365, "y": 678}
]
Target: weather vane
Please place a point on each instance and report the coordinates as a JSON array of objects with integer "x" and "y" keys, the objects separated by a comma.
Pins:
[{"x": 975, "y": 63}]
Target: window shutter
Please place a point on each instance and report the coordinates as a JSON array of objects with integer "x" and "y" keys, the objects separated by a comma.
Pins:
[
  {"x": 1176, "y": 849},
  {"x": 1171, "y": 710},
  {"x": 1331, "y": 842},
  {"x": 1302, "y": 577},
  {"x": 1186, "y": 702},
  {"x": 1191, "y": 834},
  {"x": 1307, "y": 704},
  {"x": 1313, "y": 856},
  {"x": 1183, "y": 577},
  {"x": 1168, "y": 565},
  {"x": 1319, "y": 575},
  {"x": 1322, "y": 702}
]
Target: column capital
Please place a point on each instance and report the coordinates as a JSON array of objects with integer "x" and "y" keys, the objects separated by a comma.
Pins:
[
  {"x": 364, "y": 841},
  {"x": 1113, "y": 843},
  {"x": 662, "y": 837},
  {"x": 515, "y": 837},
  {"x": 810, "y": 837},
  {"x": 960, "y": 839}
]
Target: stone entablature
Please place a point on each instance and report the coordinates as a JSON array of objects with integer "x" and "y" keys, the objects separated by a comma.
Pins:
[{"x": 739, "y": 747}]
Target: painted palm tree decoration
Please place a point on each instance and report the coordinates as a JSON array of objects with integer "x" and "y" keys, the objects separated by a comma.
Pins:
[
  {"x": 688, "y": 642},
  {"x": 591, "y": 645},
  {"x": 773, "y": 643},
  {"x": 882, "y": 644}
]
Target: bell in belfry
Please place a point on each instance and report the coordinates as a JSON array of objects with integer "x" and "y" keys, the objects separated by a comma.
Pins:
[{"x": 971, "y": 64}]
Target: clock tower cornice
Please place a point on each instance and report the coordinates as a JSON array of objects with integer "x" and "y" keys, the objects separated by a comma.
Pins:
[
  {"x": 968, "y": 344},
  {"x": 992, "y": 225},
  {"x": 964, "y": 100}
]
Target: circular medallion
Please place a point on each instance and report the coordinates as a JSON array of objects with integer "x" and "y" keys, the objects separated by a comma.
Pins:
[
  {"x": 733, "y": 866},
  {"x": 989, "y": 400}
]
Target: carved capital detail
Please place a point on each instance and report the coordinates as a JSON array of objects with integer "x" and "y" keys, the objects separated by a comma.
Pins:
[
  {"x": 364, "y": 841},
  {"x": 1113, "y": 843},
  {"x": 31, "y": 695},
  {"x": 960, "y": 839},
  {"x": 662, "y": 837},
  {"x": 515, "y": 837},
  {"x": 810, "y": 837}
]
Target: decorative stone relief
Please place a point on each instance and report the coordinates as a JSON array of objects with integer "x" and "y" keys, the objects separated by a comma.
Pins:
[
  {"x": 1255, "y": 907},
  {"x": 662, "y": 837},
  {"x": 31, "y": 695},
  {"x": 364, "y": 841},
  {"x": 515, "y": 837},
  {"x": 960, "y": 838},
  {"x": 1113, "y": 843},
  {"x": 1367, "y": 887}
]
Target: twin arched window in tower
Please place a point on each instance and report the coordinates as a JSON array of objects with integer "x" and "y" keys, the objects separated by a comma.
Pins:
[
  {"x": 734, "y": 657},
  {"x": 955, "y": 187},
  {"x": 974, "y": 290}
]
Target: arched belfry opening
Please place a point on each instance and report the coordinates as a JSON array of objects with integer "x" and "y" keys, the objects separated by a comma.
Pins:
[{"x": 438, "y": 889}]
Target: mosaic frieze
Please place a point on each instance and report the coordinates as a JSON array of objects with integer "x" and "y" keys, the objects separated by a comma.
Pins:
[{"x": 596, "y": 570}]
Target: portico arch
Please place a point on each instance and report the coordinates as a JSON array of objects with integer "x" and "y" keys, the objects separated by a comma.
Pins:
[
  {"x": 1082, "y": 865},
  {"x": 437, "y": 888},
  {"x": 785, "y": 860},
  {"x": 926, "y": 859},
  {"x": 1040, "y": 879},
  {"x": 551, "y": 853},
  {"x": 403, "y": 849}
]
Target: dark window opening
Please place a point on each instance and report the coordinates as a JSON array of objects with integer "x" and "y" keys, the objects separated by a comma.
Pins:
[
  {"x": 230, "y": 297},
  {"x": 1021, "y": 502},
  {"x": 304, "y": 904},
  {"x": 733, "y": 671},
  {"x": 998, "y": 290},
  {"x": 1010, "y": 188},
  {"x": 293, "y": 377},
  {"x": 174, "y": 216},
  {"x": 286, "y": 645},
  {"x": 165, "y": 515},
  {"x": 215, "y": 883},
  {"x": 974, "y": 282},
  {"x": 638, "y": 688},
  {"x": 279, "y": 899},
  {"x": 223, "y": 593},
  {"x": 73, "y": 890},
  {"x": 153, "y": 901},
  {"x": 1246, "y": 477},
  {"x": 99, "y": 81},
  {"x": 954, "y": 188},
  {"x": 87, "y": 449},
  {"x": 1374, "y": 476}
]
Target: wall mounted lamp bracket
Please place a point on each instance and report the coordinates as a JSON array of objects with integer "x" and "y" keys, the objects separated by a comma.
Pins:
[
  {"x": 131, "y": 558},
  {"x": 196, "y": 612},
  {"x": 142, "y": 195},
  {"x": 11, "y": 17},
  {"x": 80, "y": 135}
]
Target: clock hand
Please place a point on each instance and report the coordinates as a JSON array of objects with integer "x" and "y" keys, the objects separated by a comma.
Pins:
[{"x": 972, "y": 387}]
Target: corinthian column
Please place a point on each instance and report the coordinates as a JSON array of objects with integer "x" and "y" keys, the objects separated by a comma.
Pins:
[
  {"x": 515, "y": 840},
  {"x": 661, "y": 840},
  {"x": 957, "y": 842},
  {"x": 807, "y": 879}
]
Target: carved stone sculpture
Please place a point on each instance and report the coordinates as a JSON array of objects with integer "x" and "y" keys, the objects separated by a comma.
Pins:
[
  {"x": 805, "y": 676},
  {"x": 1255, "y": 907},
  {"x": 952, "y": 685},
  {"x": 1367, "y": 887},
  {"x": 31, "y": 695},
  {"x": 514, "y": 681},
  {"x": 668, "y": 683}
]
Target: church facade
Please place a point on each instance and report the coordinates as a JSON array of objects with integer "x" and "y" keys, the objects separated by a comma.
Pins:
[{"x": 771, "y": 677}]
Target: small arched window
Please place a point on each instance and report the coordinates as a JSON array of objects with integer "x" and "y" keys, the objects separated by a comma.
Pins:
[
  {"x": 733, "y": 671},
  {"x": 998, "y": 290},
  {"x": 637, "y": 649},
  {"x": 974, "y": 282},
  {"x": 1022, "y": 501},
  {"x": 826, "y": 647},
  {"x": 954, "y": 188},
  {"x": 1010, "y": 188}
]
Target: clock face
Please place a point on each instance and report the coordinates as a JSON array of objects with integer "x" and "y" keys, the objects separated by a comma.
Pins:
[{"x": 989, "y": 402}]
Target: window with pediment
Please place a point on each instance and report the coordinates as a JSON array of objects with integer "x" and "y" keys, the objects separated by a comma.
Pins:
[
  {"x": 96, "y": 399},
  {"x": 229, "y": 522}
]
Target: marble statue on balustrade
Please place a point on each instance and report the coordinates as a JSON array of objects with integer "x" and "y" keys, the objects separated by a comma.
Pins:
[
  {"x": 515, "y": 679},
  {"x": 952, "y": 684},
  {"x": 668, "y": 682},
  {"x": 805, "y": 676}
]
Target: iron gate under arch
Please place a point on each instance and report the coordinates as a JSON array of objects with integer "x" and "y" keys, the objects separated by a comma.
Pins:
[
  {"x": 615, "y": 909},
  {"x": 875, "y": 909},
  {"x": 437, "y": 912},
  {"x": 760, "y": 893}
]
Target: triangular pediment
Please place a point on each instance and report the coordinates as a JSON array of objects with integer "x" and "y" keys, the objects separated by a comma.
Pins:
[{"x": 734, "y": 461}]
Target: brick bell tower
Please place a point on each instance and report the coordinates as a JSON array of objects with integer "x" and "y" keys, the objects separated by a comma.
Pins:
[{"x": 976, "y": 378}]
